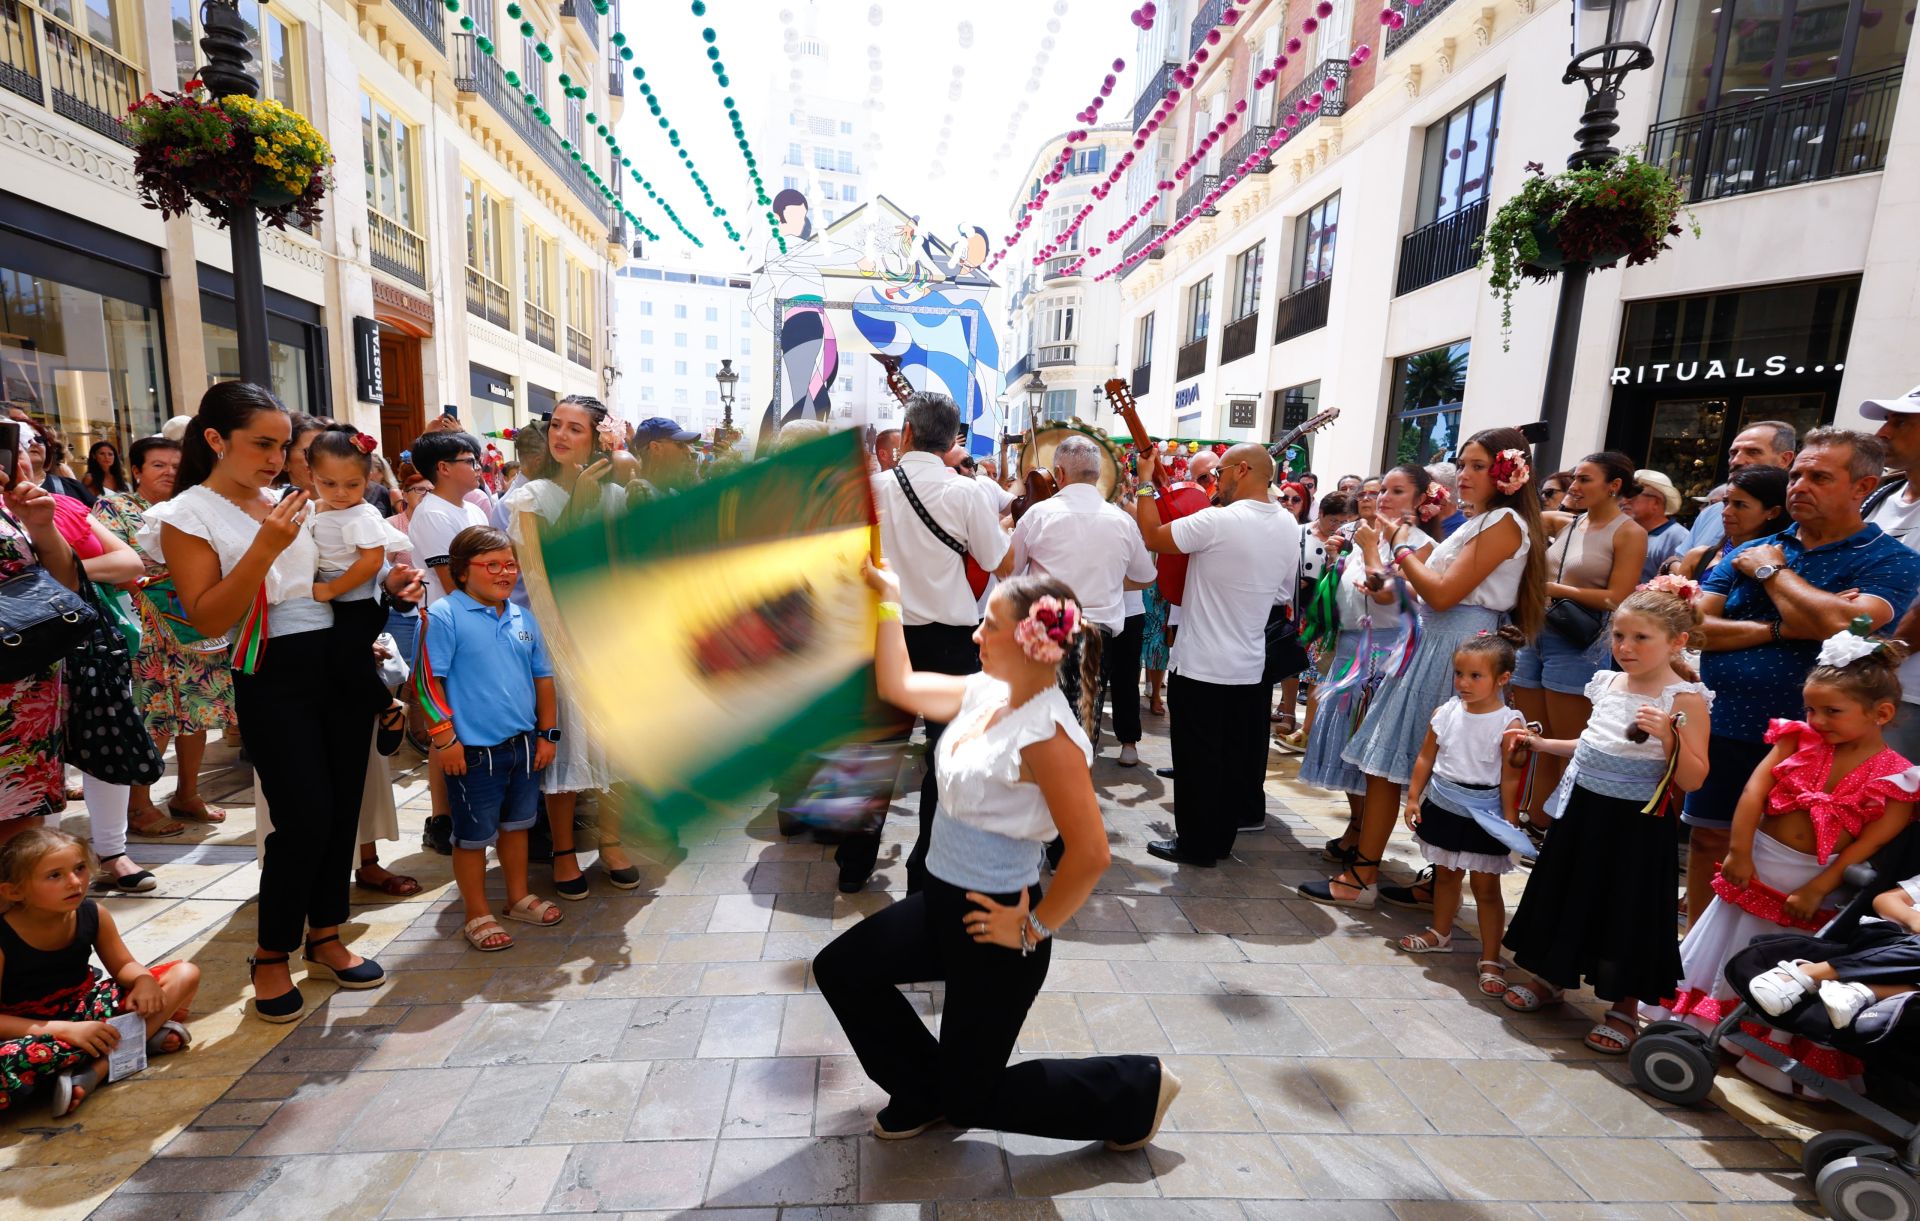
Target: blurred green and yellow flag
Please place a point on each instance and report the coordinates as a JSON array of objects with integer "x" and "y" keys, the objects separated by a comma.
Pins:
[{"x": 716, "y": 637}]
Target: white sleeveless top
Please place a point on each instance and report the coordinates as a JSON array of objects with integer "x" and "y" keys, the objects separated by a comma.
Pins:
[
  {"x": 980, "y": 781},
  {"x": 1469, "y": 742},
  {"x": 1501, "y": 588},
  {"x": 226, "y": 527},
  {"x": 1614, "y": 708}
]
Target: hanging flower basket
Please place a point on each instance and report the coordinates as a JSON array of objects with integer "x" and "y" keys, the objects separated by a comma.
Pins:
[
  {"x": 236, "y": 152},
  {"x": 1595, "y": 216}
]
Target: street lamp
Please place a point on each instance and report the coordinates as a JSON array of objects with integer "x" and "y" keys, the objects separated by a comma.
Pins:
[
  {"x": 1036, "y": 398},
  {"x": 1610, "y": 39},
  {"x": 728, "y": 379},
  {"x": 229, "y": 71}
]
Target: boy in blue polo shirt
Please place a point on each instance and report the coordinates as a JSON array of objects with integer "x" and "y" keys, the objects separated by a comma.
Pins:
[{"x": 487, "y": 686}]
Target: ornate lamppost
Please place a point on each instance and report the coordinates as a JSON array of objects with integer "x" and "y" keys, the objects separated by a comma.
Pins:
[
  {"x": 728, "y": 379},
  {"x": 229, "y": 70}
]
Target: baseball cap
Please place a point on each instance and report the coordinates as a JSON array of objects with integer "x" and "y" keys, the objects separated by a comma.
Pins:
[
  {"x": 1661, "y": 484},
  {"x": 660, "y": 428},
  {"x": 1880, "y": 409}
]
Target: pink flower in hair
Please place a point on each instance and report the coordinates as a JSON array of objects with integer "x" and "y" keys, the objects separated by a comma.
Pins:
[
  {"x": 1510, "y": 471},
  {"x": 1669, "y": 583},
  {"x": 1048, "y": 629},
  {"x": 1437, "y": 503}
]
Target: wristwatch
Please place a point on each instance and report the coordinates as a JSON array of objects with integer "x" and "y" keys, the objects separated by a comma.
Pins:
[
  {"x": 551, "y": 735},
  {"x": 1766, "y": 572}
]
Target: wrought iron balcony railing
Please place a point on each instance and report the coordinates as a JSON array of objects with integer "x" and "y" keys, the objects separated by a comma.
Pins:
[
  {"x": 1297, "y": 313},
  {"x": 1057, "y": 265},
  {"x": 92, "y": 84},
  {"x": 474, "y": 72},
  {"x": 487, "y": 298},
  {"x": 579, "y": 348},
  {"x": 583, "y": 12},
  {"x": 1240, "y": 338},
  {"x": 1441, "y": 248},
  {"x": 396, "y": 249},
  {"x": 429, "y": 17},
  {"x": 1197, "y": 187},
  {"x": 1333, "y": 102},
  {"x": 1192, "y": 361},
  {"x": 1203, "y": 21},
  {"x": 1418, "y": 16},
  {"x": 1142, "y": 379},
  {"x": 1253, "y": 138},
  {"x": 1151, "y": 95},
  {"x": 1140, "y": 242},
  {"x": 539, "y": 328},
  {"x": 20, "y": 52}
]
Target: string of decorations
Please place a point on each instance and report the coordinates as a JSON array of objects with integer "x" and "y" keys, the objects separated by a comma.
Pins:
[
  {"x": 673, "y": 133},
  {"x": 1034, "y": 78},
  {"x": 963, "y": 39},
  {"x": 719, "y": 68}
]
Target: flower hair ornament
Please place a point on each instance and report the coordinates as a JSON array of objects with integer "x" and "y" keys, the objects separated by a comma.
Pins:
[
  {"x": 365, "y": 442},
  {"x": 1437, "y": 503},
  {"x": 1669, "y": 583},
  {"x": 1510, "y": 471},
  {"x": 1842, "y": 649},
  {"x": 1048, "y": 629}
]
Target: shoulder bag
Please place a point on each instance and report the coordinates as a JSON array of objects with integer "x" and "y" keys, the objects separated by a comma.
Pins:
[
  {"x": 1578, "y": 625},
  {"x": 105, "y": 735},
  {"x": 40, "y": 620},
  {"x": 976, "y": 575},
  {"x": 1286, "y": 657}
]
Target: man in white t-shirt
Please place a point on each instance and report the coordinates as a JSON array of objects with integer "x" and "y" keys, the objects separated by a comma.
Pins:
[
  {"x": 1243, "y": 560},
  {"x": 451, "y": 460},
  {"x": 1895, "y": 508}
]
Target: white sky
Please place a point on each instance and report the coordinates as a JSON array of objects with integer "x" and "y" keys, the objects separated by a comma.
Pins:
[{"x": 920, "y": 46}]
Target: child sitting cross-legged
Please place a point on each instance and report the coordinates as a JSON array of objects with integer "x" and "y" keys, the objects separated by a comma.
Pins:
[
  {"x": 487, "y": 687},
  {"x": 54, "y": 1005}
]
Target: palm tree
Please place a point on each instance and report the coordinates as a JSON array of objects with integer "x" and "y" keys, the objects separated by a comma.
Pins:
[{"x": 1435, "y": 377}]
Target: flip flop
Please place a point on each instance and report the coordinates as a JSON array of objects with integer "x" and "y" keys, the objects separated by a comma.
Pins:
[
  {"x": 212, "y": 814},
  {"x": 156, "y": 828}
]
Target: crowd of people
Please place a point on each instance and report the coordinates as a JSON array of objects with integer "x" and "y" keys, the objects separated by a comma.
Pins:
[{"x": 1527, "y": 671}]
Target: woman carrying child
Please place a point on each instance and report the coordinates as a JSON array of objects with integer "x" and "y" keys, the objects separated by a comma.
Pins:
[{"x": 1599, "y": 906}]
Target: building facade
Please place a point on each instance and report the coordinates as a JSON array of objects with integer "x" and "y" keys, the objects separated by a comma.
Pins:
[
  {"x": 1059, "y": 320},
  {"x": 674, "y": 328},
  {"x": 1342, "y": 273},
  {"x": 464, "y": 259}
]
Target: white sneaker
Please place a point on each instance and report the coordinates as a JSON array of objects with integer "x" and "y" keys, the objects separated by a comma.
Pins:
[
  {"x": 1844, "y": 1001},
  {"x": 1779, "y": 989},
  {"x": 1129, "y": 757}
]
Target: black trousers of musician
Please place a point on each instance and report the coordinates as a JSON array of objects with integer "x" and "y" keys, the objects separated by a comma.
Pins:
[
  {"x": 307, "y": 721},
  {"x": 1120, "y": 675},
  {"x": 1219, "y": 761},
  {"x": 939, "y": 648},
  {"x": 964, "y": 1074}
]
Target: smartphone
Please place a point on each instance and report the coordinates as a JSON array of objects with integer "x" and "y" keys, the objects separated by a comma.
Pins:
[{"x": 9, "y": 448}]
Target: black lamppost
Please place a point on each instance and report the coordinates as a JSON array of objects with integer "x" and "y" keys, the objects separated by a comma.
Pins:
[
  {"x": 1610, "y": 39},
  {"x": 728, "y": 379},
  {"x": 1036, "y": 398},
  {"x": 229, "y": 71}
]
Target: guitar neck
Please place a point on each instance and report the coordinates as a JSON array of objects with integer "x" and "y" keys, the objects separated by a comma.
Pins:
[{"x": 1122, "y": 400}]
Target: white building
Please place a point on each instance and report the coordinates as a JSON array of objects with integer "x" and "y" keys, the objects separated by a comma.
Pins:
[
  {"x": 1343, "y": 276},
  {"x": 675, "y": 326}
]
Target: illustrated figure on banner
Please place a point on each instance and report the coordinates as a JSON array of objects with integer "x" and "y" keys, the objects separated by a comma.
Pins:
[{"x": 809, "y": 352}]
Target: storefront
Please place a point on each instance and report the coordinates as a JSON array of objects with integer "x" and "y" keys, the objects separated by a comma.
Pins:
[
  {"x": 490, "y": 401},
  {"x": 1694, "y": 371},
  {"x": 540, "y": 401},
  {"x": 296, "y": 343},
  {"x": 81, "y": 347}
]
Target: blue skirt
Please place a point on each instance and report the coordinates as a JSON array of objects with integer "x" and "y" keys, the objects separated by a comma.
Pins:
[
  {"x": 1321, "y": 766},
  {"x": 1389, "y": 740}
]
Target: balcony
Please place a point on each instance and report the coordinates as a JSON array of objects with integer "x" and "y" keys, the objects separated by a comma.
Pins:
[
  {"x": 1333, "y": 102},
  {"x": 1306, "y": 310},
  {"x": 1206, "y": 19},
  {"x": 1243, "y": 148},
  {"x": 1140, "y": 242},
  {"x": 396, "y": 249},
  {"x": 1056, "y": 267},
  {"x": 19, "y": 52},
  {"x": 583, "y": 12},
  {"x": 1445, "y": 247},
  {"x": 1152, "y": 94},
  {"x": 1240, "y": 337},
  {"x": 1019, "y": 369},
  {"x": 1193, "y": 360},
  {"x": 1831, "y": 130},
  {"x": 1142, "y": 379},
  {"x": 1418, "y": 16},
  {"x": 1054, "y": 355},
  {"x": 487, "y": 298},
  {"x": 540, "y": 327},
  {"x": 427, "y": 17},
  {"x": 616, "y": 80},
  {"x": 90, "y": 84},
  {"x": 1197, "y": 188},
  {"x": 579, "y": 348},
  {"x": 482, "y": 74}
]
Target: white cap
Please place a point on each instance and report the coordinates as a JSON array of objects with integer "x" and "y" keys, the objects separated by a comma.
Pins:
[{"x": 1880, "y": 409}]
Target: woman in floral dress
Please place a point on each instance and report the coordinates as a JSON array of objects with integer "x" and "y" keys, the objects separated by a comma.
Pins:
[
  {"x": 31, "y": 781},
  {"x": 182, "y": 690}
]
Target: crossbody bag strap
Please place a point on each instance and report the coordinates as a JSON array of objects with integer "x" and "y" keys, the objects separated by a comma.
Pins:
[
  {"x": 946, "y": 540},
  {"x": 1568, "y": 546}
]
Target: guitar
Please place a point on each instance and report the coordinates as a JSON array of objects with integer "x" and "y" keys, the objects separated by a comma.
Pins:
[
  {"x": 1176, "y": 499},
  {"x": 903, "y": 390},
  {"x": 1278, "y": 450}
]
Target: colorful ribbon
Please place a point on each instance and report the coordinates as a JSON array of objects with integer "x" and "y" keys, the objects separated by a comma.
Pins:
[
  {"x": 437, "y": 710},
  {"x": 250, "y": 642}
]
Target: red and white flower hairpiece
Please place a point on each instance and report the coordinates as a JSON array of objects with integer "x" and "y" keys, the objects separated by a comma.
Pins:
[
  {"x": 1437, "y": 503},
  {"x": 1510, "y": 471},
  {"x": 1048, "y": 629}
]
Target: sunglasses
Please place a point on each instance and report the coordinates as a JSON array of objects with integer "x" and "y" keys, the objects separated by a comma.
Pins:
[{"x": 1289, "y": 500}]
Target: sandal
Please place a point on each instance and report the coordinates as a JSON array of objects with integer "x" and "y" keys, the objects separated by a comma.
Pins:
[
  {"x": 1366, "y": 894},
  {"x": 481, "y": 933},
  {"x": 534, "y": 910},
  {"x": 288, "y": 1006},
  {"x": 71, "y": 1089},
  {"x": 210, "y": 814},
  {"x": 170, "y": 1038},
  {"x": 364, "y": 974},
  {"x": 1405, "y": 896},
  {"x": 627, "y": 878},
  {"x": 1611, "y": 1040},
  {"x": 398, "y": 885},
  {"x": 573, "y": 888},
  {"x": 393, "y": 728},
  {"x": 1157, "y": 707},
  {"x": 1428, "y": 941},
  {"x": 1492, "y": 983},
  {"x": 1339, "y": 851},
  {"x": 157, "y": 827},
  {"x": 1531, "y": 998},
  {"x": 132, "y": 883}
]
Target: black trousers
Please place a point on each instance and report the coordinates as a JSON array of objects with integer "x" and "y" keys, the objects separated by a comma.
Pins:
[
  {"x": 940, "y": 648},
  {"x": 1879, "y": 954},
  {"x": 307, "y": 729},
  {"x": 1120, "y": 674},
  {"x": 964, "y": 1074},
  {"x": 1219, "y": 761}
]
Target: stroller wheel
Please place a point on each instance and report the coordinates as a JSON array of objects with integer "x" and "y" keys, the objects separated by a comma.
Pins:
[
  {"x": 1685, "y": 1030},
  {"x": 1831, "y": 1146},
  {"x": 1867, "y": 1189},
  {"x": 1673, "y": 1067}
]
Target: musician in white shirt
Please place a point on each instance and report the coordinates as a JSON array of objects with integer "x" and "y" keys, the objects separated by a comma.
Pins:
[
  {"x": 939, "y": 611},
  {"x": 1095, "y": 548},
  {"x": 1244, "y": 558}
]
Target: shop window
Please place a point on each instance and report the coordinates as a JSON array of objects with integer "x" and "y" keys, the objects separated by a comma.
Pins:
[
  {"x": 1313, "y": 240},
  {"x": 1458, "y": 162},
  {"x": 83, "y": 364},
  {"x": 1428, "y": 389}
]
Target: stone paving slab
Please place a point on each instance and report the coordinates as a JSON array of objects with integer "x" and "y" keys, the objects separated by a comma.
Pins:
[{"x": 665, "y": 1053}]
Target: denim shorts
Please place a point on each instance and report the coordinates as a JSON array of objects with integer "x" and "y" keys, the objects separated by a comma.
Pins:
[
  {"x": 1552, "y": 663},
  {"x": 500, "y": 792}
]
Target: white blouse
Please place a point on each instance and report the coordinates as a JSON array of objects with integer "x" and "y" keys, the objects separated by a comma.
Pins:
[
  {"x": 341, "y": 533},
  {"x": 1614, "y": 708},
  {"x": 1469, "y": 742},
  {"x": 1356, "y": 604},
  {"x": 230, "y": 530},
  {"x": 979, "y": 771},
  {"x": 1501, "y": 588}
]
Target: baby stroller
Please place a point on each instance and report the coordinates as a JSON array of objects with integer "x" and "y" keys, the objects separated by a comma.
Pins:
[{"x": 1855, "y": 1176}]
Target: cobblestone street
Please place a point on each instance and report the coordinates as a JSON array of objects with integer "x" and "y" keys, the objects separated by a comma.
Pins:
[{"x": 664, "y": 1050}]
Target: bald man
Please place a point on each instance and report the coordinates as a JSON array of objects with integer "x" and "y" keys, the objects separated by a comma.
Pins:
[{"x": 1244, "y": 560}]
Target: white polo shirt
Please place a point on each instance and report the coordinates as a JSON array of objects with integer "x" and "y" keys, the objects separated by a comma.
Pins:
[
  {"x": 933, "y": 580},
  {"x": 1243, "y": 560},
  {"x": 1091, "y": 545},
  {"x": 431, "y": 529}
]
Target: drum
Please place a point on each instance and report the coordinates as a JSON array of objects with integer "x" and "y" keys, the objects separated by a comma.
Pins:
[{"x": 1036, "y": 453}]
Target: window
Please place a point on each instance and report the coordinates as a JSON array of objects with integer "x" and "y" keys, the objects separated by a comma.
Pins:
[
  {"x": 576, "y": 128},
  {"x": 831, "y": 217},
  {"x": 1246, "y": 280},
  {"x": 646, "y": 364},
  {"x": 1292, "y": 407},
  {"x": 1458, "y": 163},
  {"x": 1261, "y": 103},
  {"x": 1313, "y": 235},
  {"x": 646, "y": 309},
  {"x": 533, "y": 73},
  {"x": 1754, "y": 50},
  {"x": 713, "y": 343},
  {"x": 845, "y": 162},
  {"x": 541, "y": 254},
  {"x": 1143, "y": 341},
  {"x": 746, "y": 349},
  {"x": 846, "y": 128},
  {"x": 1090, "y": 161},
  {"x": 1058, "y": 404},
  {"x": 1199, "y": 310},
  {"x": 680, "y": 396},
  {"x": 274, "y": 42},
  {"x": 679, "y": 368},
  {"x": 822, "y": 158},
  {"x": 646, "y": 394},
  {"x": 386, "y": 143},
  {"x": 793, "y": 155},
  {"x": 1428, "y": 388},
  {"x": 713, "y": 367},
  {"x": 791, "y": 184},
  {"x": 486, "y": 216},
  {"x": 1057, "y": 319},
  {"x": 713, "y": 313},
  {"x": 1057, "y": 219},
  {"x": 679, "y": 311},
  {"x": 646, "y": 336},
  {"x": 746, "y": 318},
  {"x": 850, "y": 193},
  {"x": 679, "y": 339},
  {"x": 579, "y": 298},
  {"x": 713, "y": 398}
]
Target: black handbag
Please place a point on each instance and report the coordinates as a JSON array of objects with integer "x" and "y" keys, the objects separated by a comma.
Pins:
[
  {"x": 40, "y": 622},
  {"x": 1578, "y": 625},
  {"x": 1286, "y": 656},
  {"x": 105, "y": 735}
]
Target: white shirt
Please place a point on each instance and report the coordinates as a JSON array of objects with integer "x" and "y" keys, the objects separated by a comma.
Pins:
[
  {"x": 431, "y": 530},
  {"x": 1091, "y": 545},
  {"x": 933, "y": 580},
  {"x": 1900, "y": 517},
  {"x": 1501, "y": 588},
  {"x": 340, "y": 534},
  {"x": 979, "y": 770},
  {"x": 1243, "y": 560},
  {"x": 998, "y": 496},
  {"x": 1469, "y": 742},
  {"x": 230, "y": 530}
]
